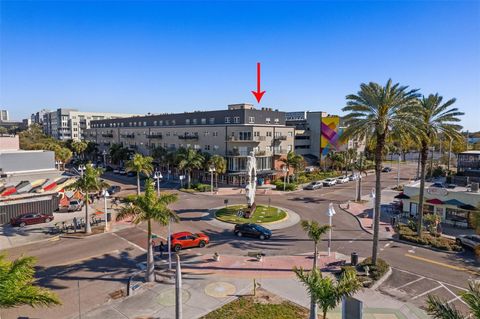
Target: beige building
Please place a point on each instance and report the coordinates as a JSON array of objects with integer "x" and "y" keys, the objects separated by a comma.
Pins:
[{"x": 232, "y": 133}]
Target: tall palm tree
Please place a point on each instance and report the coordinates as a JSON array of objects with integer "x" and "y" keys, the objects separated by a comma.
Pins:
[
  {"x": 118, "y": 153},
  {"x": 377, "y": 113},
  {"x": 326, "y": 291},
  {"x": 189, "y": 159},
  {"x": 220, "y": 165},
  {"x": 87, "y": 183},
  {"x": 150, "y": 208},
  {"x": 314, "y": 231},
  {"x": 436, "y": 118},
  {"x": 17, "y": 283},
  {"x": 140, "y": 165},
  {"x": 294, "y": 161},
  {"x": 441, "y": 309}
]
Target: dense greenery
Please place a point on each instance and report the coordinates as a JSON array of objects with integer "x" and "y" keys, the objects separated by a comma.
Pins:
[
  {"x": 377, "y": 270},
  {"x": 188, "y": 160},
  {"x": 246, "y": 307},
  {"x": 17, "y": 284},
  {"x": 147, "y": 208},
  {"x": 280, "y": 186},
  {"x": 140, "y": 165},
  {"x": 263, "y": 214},
  {"x": 428, "y": 239}
]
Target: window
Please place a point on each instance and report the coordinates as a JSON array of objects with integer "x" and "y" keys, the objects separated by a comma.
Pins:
[
  {"x": 277, "y": 121},
  {"x": 155, "y": 123},
  {"x": 203, "y": 121},
  {"x": 456, "y": 215},
  {"x": 256, "y": 133},
  {"x": 215, "y": 147},
  {"x": 215, "y": 133},
  {"x": 194, "y": 121},
  {"x": 245, "y": 136},
  {"x": 251, "y": 119},
  {"x": 173, "y": 122},
  {"x": 167, "y": 122},
  {"x": 207, "y": 147},
  {"x": 160, "y": 122},
  {"x": 278, "y": 134},
  {"x": 290, "y": 134},
  {"x": 236, "y": 119},
  {"x": 212, "y": 120},
  {"x": 227, "y": 119},
  {"x": 269, "y": 134},
  {"x": 267, "y": 120},
  {"x": 167, "y": 134},
  {"x": 413, "y": 208},
  {"x": 267, "y": 148},
  {"x": 206, "y": 133},
  {"x": 187, "y": 121},
  {"x": 144, "y": 123}
]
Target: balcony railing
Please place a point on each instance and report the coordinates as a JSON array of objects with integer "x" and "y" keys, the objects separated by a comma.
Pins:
[
  {"x": 107, "y": 135},
  {"x": 188, "y": 137},
  {"x": 155, "y": 135},
  {"x": 252, "y": 139},
  {"x": 128, "y": 135},
  {"x": 280, "y": 138}
]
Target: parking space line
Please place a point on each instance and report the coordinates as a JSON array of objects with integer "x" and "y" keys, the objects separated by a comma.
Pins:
[
  {"x": 457, "y": 297},
  {"x": 427, "y": 292},
  {"x": 411, "y": 282},
  {"x": 412, "y": 273}
]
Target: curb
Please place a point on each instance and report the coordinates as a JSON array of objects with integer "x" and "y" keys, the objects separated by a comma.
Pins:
[
  {"x": 383, "y": 279},
  {"x": 356, "y": 217}
]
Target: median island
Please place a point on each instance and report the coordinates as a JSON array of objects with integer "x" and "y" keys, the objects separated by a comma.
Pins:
[{"x": 262, "y": 215}]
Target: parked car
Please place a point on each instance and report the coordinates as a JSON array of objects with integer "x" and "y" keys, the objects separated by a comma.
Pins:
[
  {"x": 252, "y": 230},
  {"x": 122, "y": 171},
  {"x": 116, "y": 171},
  {"x": 438, "y": 185},
  {"x": 75, "y": 205},
  {"x": 184, "y": 240},
  {"x": 471, "y": 241},
  {"x": 387, "y": 169},
  {"x": 314, "y": 185},
  {"x": 353, "y": 177},
  {"x": 114, "y": 189},
  {"x": 342, "y": 179},
  {"x": 131, "y": 174},
  {"x": 30, "y": 219},
  {"x": 329, "y": 182}
]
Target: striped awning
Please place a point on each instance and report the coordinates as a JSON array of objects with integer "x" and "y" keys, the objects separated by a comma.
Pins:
[{"x": 454, "y": 202}]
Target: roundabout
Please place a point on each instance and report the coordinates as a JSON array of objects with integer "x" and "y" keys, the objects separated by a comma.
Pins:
[{"x": 263, "y": 214}]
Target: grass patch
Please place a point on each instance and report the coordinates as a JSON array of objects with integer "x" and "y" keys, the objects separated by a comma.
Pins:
[
  {"x": 263, "y": 214},
  {"x": 250, "y": 307}
]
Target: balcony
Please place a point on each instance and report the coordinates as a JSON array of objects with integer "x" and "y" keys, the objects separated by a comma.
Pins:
[
  {"x": 254, "y": 139},
  {"x": 155, "y": 135},
  {"x": 127, "y": 135},
  {"x": 188, "y": 137},
  {"x": 280, "y": 138},
  {"x": 110, "y": 135}
]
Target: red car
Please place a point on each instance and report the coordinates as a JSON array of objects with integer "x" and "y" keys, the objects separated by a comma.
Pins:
[
  {"x": 30, "y": 219},
  {"x": 185, "y": 239}
]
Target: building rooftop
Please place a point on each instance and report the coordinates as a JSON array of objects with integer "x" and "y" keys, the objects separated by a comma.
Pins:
[
  {"x": 471, "y": 152},
  {"x": 428, "y": 186}
]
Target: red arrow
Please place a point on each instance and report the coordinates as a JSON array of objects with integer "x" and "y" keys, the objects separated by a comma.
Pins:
[{"x": 259, "y": 94}]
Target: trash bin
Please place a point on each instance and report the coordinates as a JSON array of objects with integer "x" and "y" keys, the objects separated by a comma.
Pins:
[
  {"x": 354, "y": 259},
  {"x": 109, "y": 217}
]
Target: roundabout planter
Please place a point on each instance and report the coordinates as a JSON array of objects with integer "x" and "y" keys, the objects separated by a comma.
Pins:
[{"x": 263, "y": 215}]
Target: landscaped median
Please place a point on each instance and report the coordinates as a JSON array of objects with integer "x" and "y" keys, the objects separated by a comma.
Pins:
[
  {"x": 262, "y": 215},
  {"x": 406, "y": 233}
]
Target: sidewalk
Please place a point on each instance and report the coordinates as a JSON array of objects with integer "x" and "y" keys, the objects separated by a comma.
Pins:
[{"x": 207, "y": 287}]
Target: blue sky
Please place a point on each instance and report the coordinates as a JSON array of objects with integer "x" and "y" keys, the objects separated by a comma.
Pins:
[{"x": 181, "y": 56}]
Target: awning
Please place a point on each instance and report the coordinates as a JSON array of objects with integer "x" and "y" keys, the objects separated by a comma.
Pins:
[
  {"x": 435, "y": 201},
  {"x": 454, "y": 202},
  {"x": 467, "y": 207},
  {"x": 402, "y": 196}
]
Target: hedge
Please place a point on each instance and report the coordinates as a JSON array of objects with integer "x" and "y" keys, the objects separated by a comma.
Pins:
[{"x": 427, "y": 239}]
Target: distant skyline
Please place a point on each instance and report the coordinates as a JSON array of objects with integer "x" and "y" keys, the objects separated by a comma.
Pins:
[{"x": 158, "y": 56}]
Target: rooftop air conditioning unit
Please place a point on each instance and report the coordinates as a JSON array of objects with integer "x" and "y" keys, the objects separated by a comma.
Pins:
[{"x": 474, "y": 187}]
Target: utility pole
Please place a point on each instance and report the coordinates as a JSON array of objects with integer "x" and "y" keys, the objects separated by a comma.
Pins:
[{"x": 178, "y": 290}]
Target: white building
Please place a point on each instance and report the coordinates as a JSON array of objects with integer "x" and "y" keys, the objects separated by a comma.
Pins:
[
  {"x": 4, "y": 116},
  {"x": 66, "y": 124}
]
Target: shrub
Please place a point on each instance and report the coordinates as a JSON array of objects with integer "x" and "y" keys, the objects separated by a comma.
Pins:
[
  {"x": 436, "y": 241},
  {"x": 202, "y": 187},
  {"x": 187, "y": 190},
  {"x": 288, "y": 186},
  {"x": 376, "y": 271}
]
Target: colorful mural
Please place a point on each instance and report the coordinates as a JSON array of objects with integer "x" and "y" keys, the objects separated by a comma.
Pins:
[{"x": 330, "y": 134}]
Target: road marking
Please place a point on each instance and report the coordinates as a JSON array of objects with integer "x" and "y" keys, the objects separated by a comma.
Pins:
[
  {"x": 441, "y": 264},
  {"x": 412, "y": 251},
  {"x": 412, "y": 273},
  {"x": 458, "y": 297},
  {"x": 427, "y": 292},
  {"x": 129, "y": 242},
  {"x": 411, "y": 282}
]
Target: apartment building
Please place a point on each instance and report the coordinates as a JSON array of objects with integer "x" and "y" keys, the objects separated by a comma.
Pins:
[
  {"x": 66, "y": 124},
  {"x": 232, "y": 133},
  {"x": 4, "y": 116}
]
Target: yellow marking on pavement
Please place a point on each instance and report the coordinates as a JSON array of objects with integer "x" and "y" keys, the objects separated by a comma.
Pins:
[
  {"x": 55, "y": 238},
  {"x": 442, "y": 264}
]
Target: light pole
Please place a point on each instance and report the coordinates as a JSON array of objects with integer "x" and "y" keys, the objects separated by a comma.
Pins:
[
  {"x": 398, "y": 171},
  {"x": 211, "y": 170},
  {"x": 330, "y": 213},
  {"x": 105, "y": 196},
  {"x": 284, "y": 169},
  {"x": 372, "y": 196},
  {"x": 158, "y": 176}
]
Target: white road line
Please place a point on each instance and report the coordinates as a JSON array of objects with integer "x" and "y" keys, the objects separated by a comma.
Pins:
[
  {"x": 411, "y": 282},
  {"x": 441, "y": 282},
  {"x": 452, "y": 292},
  {"x": 129, "y": 242},
  {"x": 427, "y": 292},
  {"x": 452, "y": 300}
]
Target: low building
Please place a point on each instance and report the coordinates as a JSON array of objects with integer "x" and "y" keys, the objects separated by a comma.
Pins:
[
  {"x": 232, "y": 133},
  {"x": 453, "y": 205},
  {"x": 468, "y": 163}
]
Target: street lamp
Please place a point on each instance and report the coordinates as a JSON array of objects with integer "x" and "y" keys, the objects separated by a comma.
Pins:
[
  {"x": 211, "y": 170},
  {"x": 284, "y": 169},
  {"x": 330, "y": 213},
  {"x": 105, "y": 196},
  {"x": 158, "y": 176},
  {"x": 372, "y": 196}
]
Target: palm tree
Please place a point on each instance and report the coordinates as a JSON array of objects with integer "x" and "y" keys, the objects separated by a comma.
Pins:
[
  {"x": 17, "y": 282},
  {"x": 63, "y": 155},
  {"x": 189, "y": 159},
  {"x": 314, "y": 231},
  {"x": 436, "y": 119},
  {"x": 118, "y": 153},
  {"x": 378, "y": 113},
  {"x": 441, "y": 309},
  {"x": 220, "y": 165},
  {"x": 292, "y": 160},
  {"x": 140, "y": 165},
  {"x": 149, "y": 207},
  {"x": 326, "y": 291},
  {"x": 79, "y": 147},
  {"x": 87, "y": 183},
  {"x": 336, "y": 160}
]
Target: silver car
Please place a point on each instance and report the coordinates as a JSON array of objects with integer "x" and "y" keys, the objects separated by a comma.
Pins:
[
  {"x": 471, "y": 241},
  {"x": 329, "y": 182},
  {"x": 342, "y": 179},
  {"x": 314, "y": 185}
]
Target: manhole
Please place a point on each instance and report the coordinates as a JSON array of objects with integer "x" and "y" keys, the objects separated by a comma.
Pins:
[{"x": 220, "y": 289}]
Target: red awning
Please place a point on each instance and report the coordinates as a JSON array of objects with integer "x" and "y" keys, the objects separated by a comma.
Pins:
[{"x": 435, "y": 201}]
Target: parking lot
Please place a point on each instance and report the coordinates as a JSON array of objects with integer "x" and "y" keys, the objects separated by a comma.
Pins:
[{"x": 413, "y": 288}]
